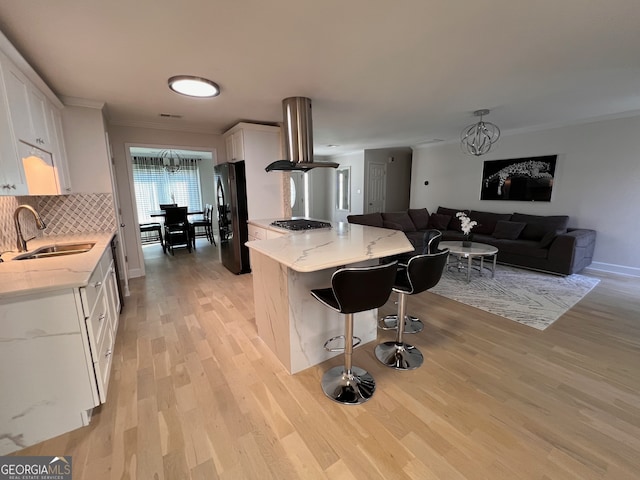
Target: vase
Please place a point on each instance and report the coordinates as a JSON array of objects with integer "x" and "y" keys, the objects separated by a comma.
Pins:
[{"x": 467, "y": 239}]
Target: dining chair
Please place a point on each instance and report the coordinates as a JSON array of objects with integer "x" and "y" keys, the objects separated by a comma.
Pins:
[
  {"x": 177, "y": 228},
  {"x": 202, "y": 227}
]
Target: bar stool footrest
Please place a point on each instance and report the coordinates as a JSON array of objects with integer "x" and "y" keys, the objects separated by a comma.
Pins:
[
  {"x": 411, "y": 324},
  {"x": 357, "y": 341}
]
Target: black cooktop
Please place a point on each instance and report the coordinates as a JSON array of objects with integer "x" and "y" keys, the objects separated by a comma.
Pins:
[{"x": 300, "y": 224}]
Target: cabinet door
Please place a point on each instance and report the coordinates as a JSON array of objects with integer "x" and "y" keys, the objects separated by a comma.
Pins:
[
  {"x": 111, "y": 287},
  {"x": 234, "y": 143},
  {"x": 12, "y": 181},
  {"x": 238, "y": 145},
  {"x": 17, "y": 87},
  {"x": 38, "y": 110},
  {"x": 228, "y": 143},
  {"x": 58, "y": 149}
]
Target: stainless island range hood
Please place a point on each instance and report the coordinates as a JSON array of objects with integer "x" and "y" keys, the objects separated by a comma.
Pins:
[{"x": 298, "y": 134}]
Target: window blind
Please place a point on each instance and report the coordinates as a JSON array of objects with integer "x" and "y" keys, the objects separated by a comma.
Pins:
[{"x": 154, "y": 185}]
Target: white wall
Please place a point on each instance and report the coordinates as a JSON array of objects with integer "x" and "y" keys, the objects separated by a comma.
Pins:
[
  {"x": 597, "y": 183},
  {"x": 398, "y": 175},
  {"x": 121, "y": 135}
]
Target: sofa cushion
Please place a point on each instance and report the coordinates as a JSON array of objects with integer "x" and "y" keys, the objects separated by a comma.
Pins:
[
  {"x": 538, "y": 226},
  {"x": 401, "y": 218},
  {"x": 391, "y": 225},
  {"x": 487, "y": 221},
  {"x": 454, "y": 223},
  {"x": 548, "y": 238},
  {"x": 369, "y": 219},
  {"x": 420, "y": 218},
  {"x": 525, "y": 248},
  {"x": 508, "y": 230},
  {"x": 438, "y": 221}
]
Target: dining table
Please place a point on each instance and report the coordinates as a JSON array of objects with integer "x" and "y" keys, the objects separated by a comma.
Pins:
[{"x": 162, "y": 213}]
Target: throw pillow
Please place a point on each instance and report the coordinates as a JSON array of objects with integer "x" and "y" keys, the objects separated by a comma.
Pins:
[
  {"x": 419, "y": 217},
  {"x": 438, "y": 221},
  {"x": 401, "y": 218},
  {"x": 538, "y": 226},
  {"x": 454, "y": 222},
  {"x": 487, "y": 221},
  {"x": 508, "y": 230}
]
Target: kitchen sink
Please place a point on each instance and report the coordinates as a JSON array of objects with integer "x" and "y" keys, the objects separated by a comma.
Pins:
[{"x": 57, "y": 250}]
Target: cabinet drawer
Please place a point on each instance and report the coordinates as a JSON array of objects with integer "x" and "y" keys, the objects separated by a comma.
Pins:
[
  {"x": 98, "y": 323},
  {"x": 102, "y": 365},
  {"x": 90, "y": 293},
  {"x": 257, "y": 232}
]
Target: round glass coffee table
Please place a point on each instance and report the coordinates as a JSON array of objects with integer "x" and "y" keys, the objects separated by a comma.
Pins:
[{"x": 476, "y": 250}]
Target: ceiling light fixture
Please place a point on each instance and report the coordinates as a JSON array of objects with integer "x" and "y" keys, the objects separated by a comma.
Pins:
[
  {"x": 194, "y": 86},
  {"x": 171, "y": 161},
  {"x": 478, "y": 138}
]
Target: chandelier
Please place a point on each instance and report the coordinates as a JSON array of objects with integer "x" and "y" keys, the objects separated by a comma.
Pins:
[
  {"x": 171, "y": 161},
  {"x": 478, "y": 138}
]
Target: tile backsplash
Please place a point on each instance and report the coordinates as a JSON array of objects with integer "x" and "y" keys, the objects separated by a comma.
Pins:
[{"x": 63, "y": 214}]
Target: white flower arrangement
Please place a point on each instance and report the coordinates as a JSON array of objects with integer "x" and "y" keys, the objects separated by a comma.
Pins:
[{"x": 466, "y": 223}]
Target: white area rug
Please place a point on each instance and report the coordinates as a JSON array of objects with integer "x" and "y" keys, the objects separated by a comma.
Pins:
[{"x": 531, "y": 298}]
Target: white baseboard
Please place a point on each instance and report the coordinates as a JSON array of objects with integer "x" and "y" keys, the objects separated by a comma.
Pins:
[
  {"x": 613, "y": 268},
  {"x": 135, "y": 272}
]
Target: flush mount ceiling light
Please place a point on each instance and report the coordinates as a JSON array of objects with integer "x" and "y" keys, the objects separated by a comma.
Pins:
[
  {"x": 193, "y": 86},
  {"x": 478, "y": 138},
  {"x": 170, "y": 160}
]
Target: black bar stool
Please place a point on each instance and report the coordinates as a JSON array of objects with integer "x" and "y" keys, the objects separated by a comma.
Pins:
[
  {"x": 422, "y": 273},
  {"x": 430, "y": 241},
  {"x": 354, "y": 289}
]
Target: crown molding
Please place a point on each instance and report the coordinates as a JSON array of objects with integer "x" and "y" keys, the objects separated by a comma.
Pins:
[
  {"x": 162, "y": 126},
  {"x": 82, "y": 102}
]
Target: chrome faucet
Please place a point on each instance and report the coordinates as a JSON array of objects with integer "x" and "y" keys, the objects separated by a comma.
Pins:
[{"x": 21, "y": 242}]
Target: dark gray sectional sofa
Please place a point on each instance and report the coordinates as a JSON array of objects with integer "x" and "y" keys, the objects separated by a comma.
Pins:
[{"x": 532, "y": 241}]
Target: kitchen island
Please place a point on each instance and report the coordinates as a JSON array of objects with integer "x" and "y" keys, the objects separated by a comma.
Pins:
[{"x": 289, "y": 320}]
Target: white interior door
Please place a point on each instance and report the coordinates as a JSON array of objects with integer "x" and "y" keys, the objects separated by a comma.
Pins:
[{"x": 376, "y": 186}]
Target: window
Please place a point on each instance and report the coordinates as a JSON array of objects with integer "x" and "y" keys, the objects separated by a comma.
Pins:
[{"x": 155, "y": 185}]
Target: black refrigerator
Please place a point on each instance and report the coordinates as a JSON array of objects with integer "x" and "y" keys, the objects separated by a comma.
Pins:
[{"x": 231, "y": 201}]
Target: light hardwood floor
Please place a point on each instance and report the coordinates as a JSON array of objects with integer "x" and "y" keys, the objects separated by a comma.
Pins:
[{"x": 194, "y": 393}]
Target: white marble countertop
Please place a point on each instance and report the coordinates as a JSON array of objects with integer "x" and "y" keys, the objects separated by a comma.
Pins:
[
  {"x": 25, "y": 277},
  {"x": 343, "y": 244}
]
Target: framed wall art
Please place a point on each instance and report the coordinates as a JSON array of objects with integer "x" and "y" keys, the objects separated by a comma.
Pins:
[{"x": 526, "y": 179}]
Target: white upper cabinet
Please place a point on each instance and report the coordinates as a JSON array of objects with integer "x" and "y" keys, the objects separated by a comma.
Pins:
[
  {"x": 258, "y": 145},
  {"x": 32, "y": 144},
  {"x": 234, "y": 142}
]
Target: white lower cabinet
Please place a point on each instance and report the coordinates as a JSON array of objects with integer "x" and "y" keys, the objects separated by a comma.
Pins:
[{"x": 55, "y": 358}]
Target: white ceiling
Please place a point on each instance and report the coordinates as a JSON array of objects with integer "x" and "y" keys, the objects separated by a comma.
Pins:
[{"x": 380, "y": 73}]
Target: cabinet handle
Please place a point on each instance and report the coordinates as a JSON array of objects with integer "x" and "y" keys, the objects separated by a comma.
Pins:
[
  {"x": 96, "y": 284},
  {"x": 39, "y": 141},
  {"x": 108, "y": 354}
]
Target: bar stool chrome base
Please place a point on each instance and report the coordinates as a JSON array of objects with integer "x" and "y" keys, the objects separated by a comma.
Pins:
[
  {"x": 400, "y": 356},
  {"x": 411, "y": 324},
  {"x": 348, "y": 388}
]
